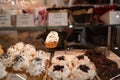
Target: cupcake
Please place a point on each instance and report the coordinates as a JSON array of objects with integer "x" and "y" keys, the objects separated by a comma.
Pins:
[
  {"x": 20, "y": 63},
  {"x": 23, "y": 58},
  {"x": 59, "y": 72},
  {"x": 52, "y": 39},
  {"x": 36, "y": 66},
  {"x": 80, "y": 59},
  {"x": 84, "y": 72}
]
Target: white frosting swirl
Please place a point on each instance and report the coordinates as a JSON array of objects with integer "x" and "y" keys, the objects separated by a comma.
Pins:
[{"x": 52, "y": 37}]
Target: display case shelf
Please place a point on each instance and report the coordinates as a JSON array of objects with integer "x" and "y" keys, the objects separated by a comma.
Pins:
[{"x": 78, "y": 26}]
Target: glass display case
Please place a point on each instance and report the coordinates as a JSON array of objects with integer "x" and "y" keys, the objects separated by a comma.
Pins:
[{"x": 88, "y": 35}]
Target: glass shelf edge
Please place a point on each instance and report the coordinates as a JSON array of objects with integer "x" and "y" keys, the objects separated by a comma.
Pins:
[{"x": 57, "y": 27}]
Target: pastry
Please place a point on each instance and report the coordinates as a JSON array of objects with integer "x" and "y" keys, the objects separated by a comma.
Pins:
[
  {"x": 52, "y": 39},
  {"x": 79, "y": 67},
  {"x": 84, "y": 72},
  {"x": 104, "y": 66},
  {"x": 36, "y": 66},
  {"x": 20, "y": 63},
  {"x": 80, "y": 59},
  {"x": 59, "y": 72},
  {"x": 25, "y": 59}
]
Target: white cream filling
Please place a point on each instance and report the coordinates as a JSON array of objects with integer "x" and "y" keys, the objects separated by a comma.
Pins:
[{"x": 52, "y": 37}]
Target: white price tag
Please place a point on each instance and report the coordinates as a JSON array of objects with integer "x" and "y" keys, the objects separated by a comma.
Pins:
[
  {"x": 25, "y": 20},
  {"x": 12, "y": 76},
  {"x": 5, "y": 20},
  {"x": 58, "y": 19}
]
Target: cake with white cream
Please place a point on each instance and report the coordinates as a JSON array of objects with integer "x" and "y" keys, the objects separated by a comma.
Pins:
[{"x": 52, "y": 39}]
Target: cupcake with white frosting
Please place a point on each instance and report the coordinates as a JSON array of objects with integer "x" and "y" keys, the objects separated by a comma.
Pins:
[
  {"x": 80, "y": 59},
  {"x": 59, "y": 72},
  {"x": 84, "y": 72},
  {"x": 20, "y": 63},
  {"x": 36, "y": 66},
  {"x": 52, "y": 39}
]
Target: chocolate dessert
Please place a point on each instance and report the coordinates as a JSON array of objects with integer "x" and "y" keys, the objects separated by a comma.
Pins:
[{"x": 106, "y": 68}]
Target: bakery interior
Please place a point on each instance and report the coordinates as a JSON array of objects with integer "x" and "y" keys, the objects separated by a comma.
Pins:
[{"x": 60, "y": 39}]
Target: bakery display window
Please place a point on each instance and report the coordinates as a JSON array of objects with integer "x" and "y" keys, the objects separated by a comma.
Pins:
[{"x": 43, "y": 40}]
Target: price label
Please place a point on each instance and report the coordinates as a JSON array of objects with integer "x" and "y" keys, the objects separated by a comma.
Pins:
[
  {"x": 12, "y": 76},
  {"x": 5, "y": 20},
  {"x": 57, "y": 19},
  {"x": 25, "y": 20}
]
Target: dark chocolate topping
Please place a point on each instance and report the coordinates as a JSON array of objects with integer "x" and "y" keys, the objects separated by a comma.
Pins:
[
  {"x": 80, "y": 57},
  {"x": 84, "y": 68},
  {"x": 58, "y": 68},
  {"x": 5, "y": 55},
  {"x": 18, "y": 58},
  {"x": 37, "y": 59},
  {"x": 61, "y": 58}
]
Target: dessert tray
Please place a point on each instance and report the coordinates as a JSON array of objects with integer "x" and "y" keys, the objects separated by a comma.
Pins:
[
  {"x": 22, "y": 75},
  {"x": 112, "y": 56}
]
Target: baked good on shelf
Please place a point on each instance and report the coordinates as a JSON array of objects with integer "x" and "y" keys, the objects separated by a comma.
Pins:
[
  {"x": 84, "y": 71},
  {"x": 52, "y": 39},
  {"x": 105, "y": 67},
  {"x": 20, "y": 63},
  {"x": 59, "y": 72},
  {"x": 80, "y": 59},
  {"x": 79, "y": 65},
  {"x": 36, "y": 66},
  {"x": 25, "y": 59}
]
